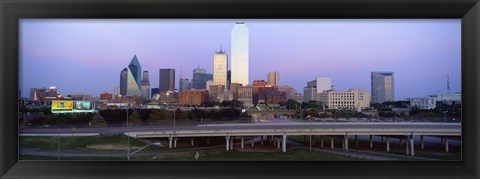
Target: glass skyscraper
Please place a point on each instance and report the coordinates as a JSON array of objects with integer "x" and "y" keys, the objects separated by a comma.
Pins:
[
  {"x": 200, "y": 78},
  {"x": 382, "y": 87},
  {"x": 239, "y": 40},
  {"x": 130, "y": 79},
  {"x": 220, "y": 63},
  {"x": 123, "y": 82},
  {"x": 145, "y": 85}
]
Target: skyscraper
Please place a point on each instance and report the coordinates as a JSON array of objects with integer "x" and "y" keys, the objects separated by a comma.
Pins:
[
  {"x": 123, "y": 82},
  {"x": 130, "y": 79},
  {"x": 382, "y": 84},
  {"x": 167, "y": 80},
  {"x": 184, "y": 84},
  {"x": 239, "y": 40},
  {"x": 145, "y": 87},
  {"x": 220, "y": 64},
  {"x": 200, "y": 78},
  {"x": 273, "y": 78},
  {"x": 229, "y": 78}
]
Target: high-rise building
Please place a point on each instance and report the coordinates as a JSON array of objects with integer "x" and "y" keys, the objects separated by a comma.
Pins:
[
  {"x": 239, "y": 50},
  {"x": 123, "y": 81},
  {"x": 200, "y": 78},
  {"x": 220, "y": 64},
  {"x": 229, "y": 78},
  {"x": 208, "y": 84},
  {"x": 184, "y": 84},
  {"x": 145, "y": 85},
  {"x": 167, "y": 80},
  {"x": 130, "y": 79},
  {"x": 382, "y": 86},
  {"x": 310, "y": 91},
  {"x": 273, "y": 78}
]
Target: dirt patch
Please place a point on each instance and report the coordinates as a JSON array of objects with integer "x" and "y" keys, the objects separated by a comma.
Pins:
[{"x": 111, "y": 147}]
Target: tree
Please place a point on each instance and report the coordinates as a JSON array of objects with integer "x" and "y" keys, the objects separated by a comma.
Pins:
[
  {"x": 134, "y": 118},
  {"x": 291, "y": 104}
]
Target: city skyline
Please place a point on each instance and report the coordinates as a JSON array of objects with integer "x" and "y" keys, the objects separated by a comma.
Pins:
[{"x": 445, "y": 55}]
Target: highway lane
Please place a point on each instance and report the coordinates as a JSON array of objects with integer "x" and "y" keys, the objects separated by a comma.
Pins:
[{"x": 253, "y": 126}]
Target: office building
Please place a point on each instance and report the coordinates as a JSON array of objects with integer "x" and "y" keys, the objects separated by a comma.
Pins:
[
  {"x": 430, "y": 101},
  {"x": 167, "y": 80},
  {"x": 240, "y": 56},
  {"x": 354, "y": 99},
  {"x": 220, "y": 65},
  {"x": 193, "y": 97},
  {"x": 382, "y": 87},
  {"x": 184, "y": 84},
  {"x": 209, "y": 83},
  {"x": 273, "y": 78},
  {"x": 200, "y": 78},
  {"x": 130, "y": 79},
  {"x": 145, "y": 87},
  {"x": 245, "y": 95},
  {"x": 123, "y": 82}
]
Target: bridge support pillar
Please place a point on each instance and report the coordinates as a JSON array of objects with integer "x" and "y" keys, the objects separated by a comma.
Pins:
[
  {"x": 274, "y": 141},
  {"x": 346, "y": 142},
  {"x": 331, "y": 142},
  {"x": 412, "y": 153},
  {"x": 170, "y": 141},
  {"x": 421, "y": 142},
  {"x": 446, "y": 144},
  {"x": 175, "y": 142},
  {"x": 406, "y": 145},
  {"x": 227, "y": 140},
  {"x": 388, "y": 144},
  {"x": 192, "y": 141},
  {"x": 231, "y": 143},
  {"x": 284, "y": 143},
  {"x": 371, "y": 142},
  {"x": 321, "y": 141},
  {"x": 313, "y": 139},
  {"x": 278, "y": 143},
  {"x": 242, "y": 143},
  {"x": 381, "y": 139},
  {"x": 356, "y": 140},
  {"x": 253, "y": 142},
  {"x": 261, "y": 140}
]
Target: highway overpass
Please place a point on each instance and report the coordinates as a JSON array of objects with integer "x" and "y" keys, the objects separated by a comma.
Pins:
[{"x": 278, "y": 132}]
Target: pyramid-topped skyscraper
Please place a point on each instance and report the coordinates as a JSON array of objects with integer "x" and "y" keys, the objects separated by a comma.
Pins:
[{"x": 130, "y": 79}]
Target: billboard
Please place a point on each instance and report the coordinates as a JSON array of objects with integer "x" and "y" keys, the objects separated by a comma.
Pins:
[
  {"x": 83, "y": 106},
  {"x": 61, "y": 106},
  {"x": 68, "y": 106}
]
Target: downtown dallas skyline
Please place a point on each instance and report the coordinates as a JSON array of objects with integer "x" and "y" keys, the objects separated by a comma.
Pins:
[{"x": 86, "y": 56}]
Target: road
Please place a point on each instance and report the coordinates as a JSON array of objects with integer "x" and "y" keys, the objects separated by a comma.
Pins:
[{"x": 254, "y": 126}]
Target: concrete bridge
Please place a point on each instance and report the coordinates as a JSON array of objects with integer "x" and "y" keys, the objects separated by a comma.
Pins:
[{"x": 278, "y": 132}]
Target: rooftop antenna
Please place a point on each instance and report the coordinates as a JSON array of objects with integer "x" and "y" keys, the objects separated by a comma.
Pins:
[{"x": 448, "y": 83}]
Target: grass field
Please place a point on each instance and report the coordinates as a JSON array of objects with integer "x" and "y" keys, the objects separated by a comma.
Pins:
[{"x": 235, "y": 155}]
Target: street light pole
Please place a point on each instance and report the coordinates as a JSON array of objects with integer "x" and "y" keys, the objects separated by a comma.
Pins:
[{"x": 128, "y": 138}]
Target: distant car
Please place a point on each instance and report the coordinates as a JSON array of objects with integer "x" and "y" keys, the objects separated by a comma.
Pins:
[{"x": 46, "y": 126}]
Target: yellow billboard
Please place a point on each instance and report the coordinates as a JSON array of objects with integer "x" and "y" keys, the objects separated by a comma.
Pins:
[{"x": 61, "y": 106}]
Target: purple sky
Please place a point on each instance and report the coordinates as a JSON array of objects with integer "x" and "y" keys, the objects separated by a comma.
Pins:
[{"x": 86, "y": 56}]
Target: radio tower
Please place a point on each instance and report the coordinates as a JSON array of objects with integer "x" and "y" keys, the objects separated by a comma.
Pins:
[{"x": 448, "y": 84}]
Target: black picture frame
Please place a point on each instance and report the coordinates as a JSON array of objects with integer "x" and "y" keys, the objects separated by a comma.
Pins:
[{"x": 12, "y": 10}]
